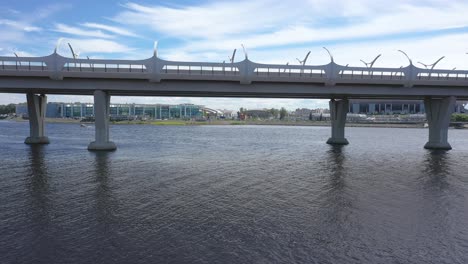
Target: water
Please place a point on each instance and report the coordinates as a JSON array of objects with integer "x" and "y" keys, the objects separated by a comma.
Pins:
[{"x": 232, "y": 194}]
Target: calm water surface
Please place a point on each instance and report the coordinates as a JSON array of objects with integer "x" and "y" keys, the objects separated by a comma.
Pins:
[{"x": 232, "y": 194}]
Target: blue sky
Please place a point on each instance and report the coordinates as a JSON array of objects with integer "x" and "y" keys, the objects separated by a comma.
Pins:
[{"x": 273, "y": 32}]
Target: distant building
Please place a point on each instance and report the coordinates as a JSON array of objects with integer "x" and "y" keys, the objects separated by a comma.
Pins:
[
  {"x": 228, "y": 114},
  {"x": 151, "y": 111},
  {"x": 318, "y": 114},
  {"x": 259, "y": 113},
  {"x": 385, "y": 107}
]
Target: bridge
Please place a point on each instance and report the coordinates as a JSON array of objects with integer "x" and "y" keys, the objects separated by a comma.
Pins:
[{"x": 102, "y": 78}]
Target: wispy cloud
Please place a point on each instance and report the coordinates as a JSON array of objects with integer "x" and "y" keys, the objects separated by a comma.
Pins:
[
  {"x": 95, "y": 46},
  {"x": 19, "y": 25},
  {"x": 257, "y": 24},
  {"x": 116, "y": 30},
  {"x": 62, "y": 28}
]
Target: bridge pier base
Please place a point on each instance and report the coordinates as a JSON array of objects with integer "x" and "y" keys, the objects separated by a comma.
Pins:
[
  {"x": 438, "y": 113},
  {"x": 101, "y": 116},
  {"x": 36, "y": 110},
  {"x": 338, "y": 111}
]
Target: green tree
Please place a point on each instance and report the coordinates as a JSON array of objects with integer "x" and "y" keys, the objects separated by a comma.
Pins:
[
  {"x": 274, "y": 112},
  {"x": 283, "y": 113},
  {"x": 7, "y": 109},
  {"x": 310, "y": 116},
  {"x": 460, "y": 117}
]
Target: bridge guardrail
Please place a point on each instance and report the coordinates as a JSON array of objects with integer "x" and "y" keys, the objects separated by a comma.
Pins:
[{"x": 156, "y": 69}]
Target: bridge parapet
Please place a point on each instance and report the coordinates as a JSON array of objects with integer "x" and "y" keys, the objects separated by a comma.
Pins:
[{"x": 155, "y": 69}]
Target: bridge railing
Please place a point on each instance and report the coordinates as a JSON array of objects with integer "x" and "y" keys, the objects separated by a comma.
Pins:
[
  {"x": 441, "y": 75},
  {"x": 23, "y": 64},
  {"x": 155, "y": 69},
  {"x": 357, "y": 73},
  {"x": 100, "y": 65},
  {"x": 198, "y": 69},
  {"x": 288, "y": 71}
]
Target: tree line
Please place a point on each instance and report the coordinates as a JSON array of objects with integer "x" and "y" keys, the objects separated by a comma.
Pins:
[
  {"x": 281, "y": 113},
  {"x": 7, "y": 109}
]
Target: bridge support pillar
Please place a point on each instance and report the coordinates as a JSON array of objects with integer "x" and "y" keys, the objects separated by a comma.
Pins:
[
  {"x": 101, "y": 116},
  {"x": 36, "y": 110},
  {"x": 438, "y": 113},
  {"x": 338, "y": 111}
]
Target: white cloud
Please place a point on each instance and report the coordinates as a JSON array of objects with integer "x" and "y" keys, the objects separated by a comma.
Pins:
[
  {"x": 62, "y": 28},
  {"x": 95, "y": 46},
  {"x": 223, "y": 25},
  {"x": 115, "y": 30},
  {"x": 19, "y": 25}
]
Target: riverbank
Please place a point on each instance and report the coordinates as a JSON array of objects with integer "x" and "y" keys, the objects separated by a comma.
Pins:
[{"x": 236, "y": 122}]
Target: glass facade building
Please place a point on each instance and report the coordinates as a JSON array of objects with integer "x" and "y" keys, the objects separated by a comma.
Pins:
[
  {"x": 130, "y": 111},
  {"x": 384, "y": 107}
]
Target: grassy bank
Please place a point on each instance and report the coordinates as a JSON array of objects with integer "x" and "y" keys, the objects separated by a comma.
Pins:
[{"x": 233, "y": 122}]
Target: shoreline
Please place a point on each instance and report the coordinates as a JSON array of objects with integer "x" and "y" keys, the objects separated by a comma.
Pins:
[{"x": 232, "y": 123}]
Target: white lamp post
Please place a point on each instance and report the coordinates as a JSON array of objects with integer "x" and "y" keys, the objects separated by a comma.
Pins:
[{"x": 432, "y": 66}]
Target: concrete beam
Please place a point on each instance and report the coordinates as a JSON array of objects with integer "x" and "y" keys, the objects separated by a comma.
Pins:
[
  {"x": 338, "y": 111},
  {"x": 438, "y": 113},
  {"x": 36, "y": 110},
  {"x": 101, "y": 116}
]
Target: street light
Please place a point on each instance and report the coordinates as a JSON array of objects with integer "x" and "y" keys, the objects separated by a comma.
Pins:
[
  {"x": 245, "y": 52},
  {"x": 17, "y": 61},
  {"x": 75, "y": 55},
  {"x": 329, "y": 54},
  {"x": 303, "y": 62},
  {"x": 370, "y": 64},
  {"x": 155, "y": 49},
  {"x": 431, "y": 65},
  {"x": 231, "y": 59},
  {"x": 287, "y": 63},
  {"x": 406, "y": 55}
]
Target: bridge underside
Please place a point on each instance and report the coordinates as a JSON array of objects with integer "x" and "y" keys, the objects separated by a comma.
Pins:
[{"x": 122, "y": 87}]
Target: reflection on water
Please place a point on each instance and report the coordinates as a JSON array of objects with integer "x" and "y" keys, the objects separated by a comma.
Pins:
[
  {"x": 336, "y": 157},
  {"x": 105, "y": 200},
  {"x": 436, "y": 169},
  {"x": 232, "y": 194},
  {"x": 436, "y": 163},
  {"x": 40, "y": 211}
]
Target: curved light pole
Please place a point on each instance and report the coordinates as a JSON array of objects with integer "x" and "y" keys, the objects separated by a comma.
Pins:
[
  {"x": 406, "y": 55},
  {"x": 329, "y": 54},
  {"x": 431, "y": 65},
  {"x": 16, "y": 55},
  {"x": 231, "y": 59},
  {"x": 155, "y": 49},
  {"x": 371, "y": 64},
  {"x": 303, "y": 62},
  {"x": 245, "y": 52},
  {"x": 447, "y": 76},
  {"x": 73, "y": 53}
]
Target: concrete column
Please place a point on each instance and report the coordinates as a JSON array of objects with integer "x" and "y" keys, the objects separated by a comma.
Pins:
[
  {"x": 101, "y": 116},
  {"x": 36, "y": 110},
  {"x": 338, "y": 111},
  {"x": 438, "y": 113}
]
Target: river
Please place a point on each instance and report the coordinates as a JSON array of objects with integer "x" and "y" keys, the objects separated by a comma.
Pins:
[{"x": 232, "y": 194}]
